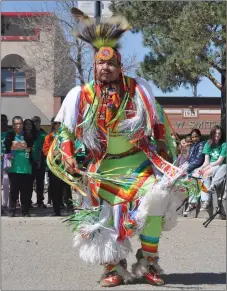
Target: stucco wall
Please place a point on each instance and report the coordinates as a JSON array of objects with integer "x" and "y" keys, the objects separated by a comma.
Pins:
[{"x": 38, "y": 55}]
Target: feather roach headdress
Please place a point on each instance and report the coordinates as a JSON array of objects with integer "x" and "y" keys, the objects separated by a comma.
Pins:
[{"x": 103, "y": 37}]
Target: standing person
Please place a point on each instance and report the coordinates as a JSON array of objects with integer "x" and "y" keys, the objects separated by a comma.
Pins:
[
  {"x": 19, "y": 144},
  {"x": 39, "y": 163},
  {"x": 30, "y": 130},
  {"x": 123, "y": 127},
  {"x": 4, "y": 174},
  {"x": 215, "y": 157},
  {"x": 195, "y": 160},
  {"x": 55, "y": 189}
]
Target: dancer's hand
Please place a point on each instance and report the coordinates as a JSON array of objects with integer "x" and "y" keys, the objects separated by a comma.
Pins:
[{"x": 70, "y": 165}]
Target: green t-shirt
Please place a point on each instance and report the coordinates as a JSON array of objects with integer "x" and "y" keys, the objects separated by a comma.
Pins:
[
  {"x": 21, "y": 163},
  {"x": 215, "y": 151},
  {"x": 38, "y": 146},
  {"x": 80, "y": 145}
]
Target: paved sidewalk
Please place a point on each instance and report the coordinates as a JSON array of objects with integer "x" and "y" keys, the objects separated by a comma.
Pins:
[{"x": 37, "y": 254}]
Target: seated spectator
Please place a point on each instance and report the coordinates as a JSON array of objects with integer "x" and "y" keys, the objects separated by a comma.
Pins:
[
  {"x": 176, "y": 141},
  {"x": 215, "y": 157},
  {"x": 195, "y": 160},
  {"x": 196, "y": 155},
  {"x": 218, "y": 178},
  {"x": 184, "y": 150}
]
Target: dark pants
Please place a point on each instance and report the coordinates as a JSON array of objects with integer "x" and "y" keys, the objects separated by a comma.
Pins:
[
  {"x": 38, "y": 175},
  {"x": 67, "y": 195},
  {"x": 55, "y": 191},
  {"x": 19, "y": 184},
  {"x": 49, "y": 191}
]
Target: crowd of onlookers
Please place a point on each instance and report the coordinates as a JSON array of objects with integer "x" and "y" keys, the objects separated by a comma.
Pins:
[
  {"x": 25, "y": 146},
  {"x": 206, "y": 161}
]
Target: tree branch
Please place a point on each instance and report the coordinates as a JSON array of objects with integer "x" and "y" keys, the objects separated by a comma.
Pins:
[
  {"x": 214, "y": 81},
  {"x": 215, "y": 66}
]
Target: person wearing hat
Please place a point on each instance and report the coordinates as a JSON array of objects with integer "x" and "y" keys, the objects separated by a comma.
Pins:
[{"x": 123, "y": 128}]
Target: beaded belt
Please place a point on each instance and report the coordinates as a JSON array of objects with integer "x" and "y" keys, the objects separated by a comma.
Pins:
[{"x": 122, "y": 155}]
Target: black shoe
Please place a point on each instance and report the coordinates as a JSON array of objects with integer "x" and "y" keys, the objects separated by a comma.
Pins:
[
  {"x": 56, "y": 214},
  {"x": 32, "y": 206},
  {"x": 69, "y": 206},
  {"x": 26, "y": 215},
  {"x": 11, "y": 214},
  {"x": 42, "y": 205}
]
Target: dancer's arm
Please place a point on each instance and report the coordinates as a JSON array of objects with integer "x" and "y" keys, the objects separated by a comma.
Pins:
[{"x": 68, "y": 116}]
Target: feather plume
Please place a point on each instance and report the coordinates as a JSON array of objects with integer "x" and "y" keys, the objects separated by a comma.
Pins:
[
  {"x": 106, "y": 33},
  {"x": 80, "y": 16}
]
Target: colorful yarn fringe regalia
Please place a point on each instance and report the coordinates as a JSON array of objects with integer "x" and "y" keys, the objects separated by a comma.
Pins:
[{"x": 131, "y": 188}]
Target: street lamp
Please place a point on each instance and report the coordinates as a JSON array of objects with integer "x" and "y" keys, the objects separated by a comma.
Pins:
[{"x": 98, "y": 10}]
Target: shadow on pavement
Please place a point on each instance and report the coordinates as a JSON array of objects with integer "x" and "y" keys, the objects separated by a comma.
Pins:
[
  {"x": 189, "y": 279},
  {"x": 195, "y": 278},
  {"x": 40, "y": 212}
]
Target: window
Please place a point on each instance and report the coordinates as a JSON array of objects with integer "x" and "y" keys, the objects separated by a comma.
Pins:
[
  {"x": 12, "y": 81},
  {"x": 15, "y": 26},
  {"x": 19, "y": 82}
]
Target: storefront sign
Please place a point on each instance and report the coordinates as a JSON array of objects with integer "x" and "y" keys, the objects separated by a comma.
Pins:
[{"x": 195, "y": 124}]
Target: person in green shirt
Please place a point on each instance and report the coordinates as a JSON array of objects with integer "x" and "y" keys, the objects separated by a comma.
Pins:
[
  {"x": 18, "y": 145},
  {"x": 80, "y": 152},
  {"x": 215, "y": 157},
  {"x": 39, "y": 162},
  {"x": 4, "y": 174}
]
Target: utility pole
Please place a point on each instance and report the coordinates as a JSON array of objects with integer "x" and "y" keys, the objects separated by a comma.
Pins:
[
  {"x": 98, "y": 10},
  {"x": 223, "y": 83},
  {"x": 223, "y": 102}
]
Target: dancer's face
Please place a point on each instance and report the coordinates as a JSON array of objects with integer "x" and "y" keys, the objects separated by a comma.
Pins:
[{"x": 109, "y": 71}]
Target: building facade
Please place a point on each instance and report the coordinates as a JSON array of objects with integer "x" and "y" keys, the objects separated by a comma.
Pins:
[
  {"x": 29, "y": 54},
  {"x": 186, "y": 113}
]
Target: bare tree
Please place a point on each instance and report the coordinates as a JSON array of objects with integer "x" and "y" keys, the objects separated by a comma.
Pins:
[{"x": 60, "y": 51}]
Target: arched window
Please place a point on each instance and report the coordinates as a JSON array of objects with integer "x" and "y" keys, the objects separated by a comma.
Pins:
[
  {"x": 13, "y": 81},
  {"x": 16, "y": 76}
]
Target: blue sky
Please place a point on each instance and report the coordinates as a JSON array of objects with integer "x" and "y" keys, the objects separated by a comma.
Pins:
[{"x": 132, "y": 43}]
